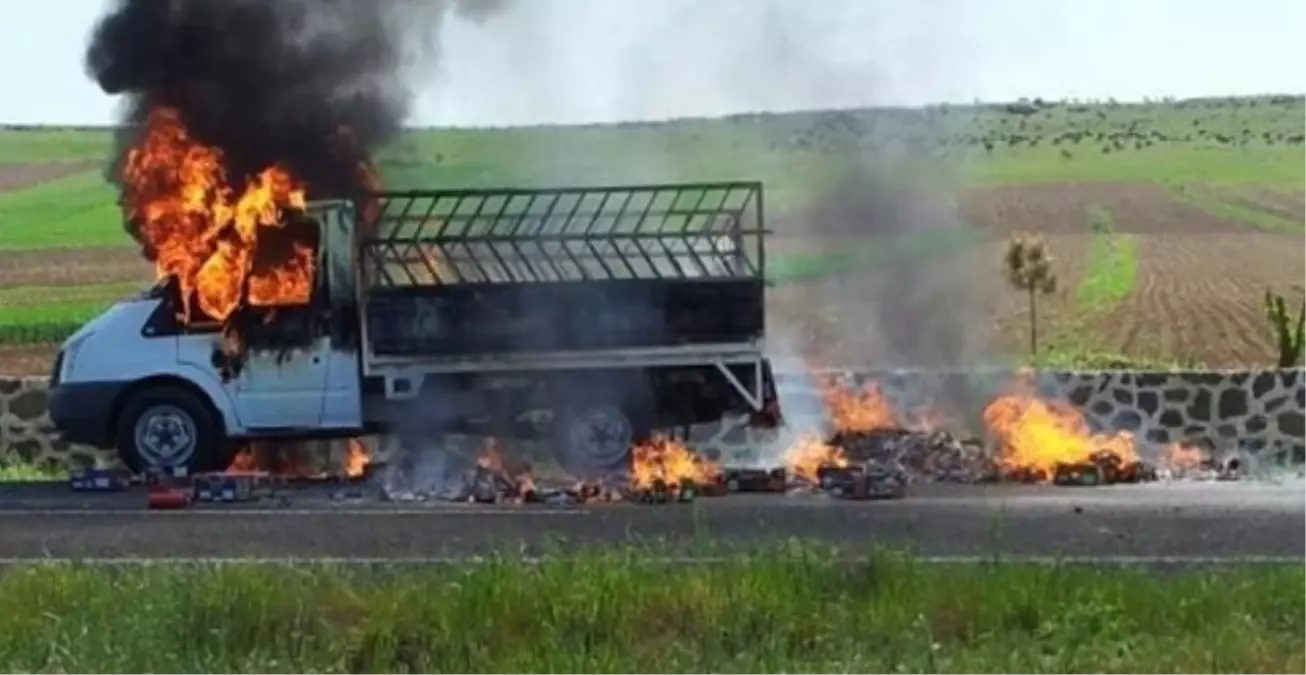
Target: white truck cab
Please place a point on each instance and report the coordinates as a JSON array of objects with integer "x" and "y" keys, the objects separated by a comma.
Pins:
[{"x": 138, "y": 379}]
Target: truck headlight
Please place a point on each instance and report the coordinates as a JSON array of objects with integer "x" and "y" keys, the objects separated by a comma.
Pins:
[{"x": 70, "y": 352}]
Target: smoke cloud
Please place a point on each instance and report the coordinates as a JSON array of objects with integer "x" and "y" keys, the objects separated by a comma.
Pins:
[{"x": 273, "y": 82}]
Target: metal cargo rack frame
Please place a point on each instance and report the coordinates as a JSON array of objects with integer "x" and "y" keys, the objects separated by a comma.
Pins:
[{"x": 692, "y": 249}]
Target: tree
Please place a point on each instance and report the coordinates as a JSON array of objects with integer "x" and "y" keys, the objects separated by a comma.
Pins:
[
  {"x": 1028, "y": 267},
  {"x": 1288, "y": 334}
]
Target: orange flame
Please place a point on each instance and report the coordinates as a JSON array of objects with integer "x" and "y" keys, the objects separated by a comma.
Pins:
[
  {"x": 809, "y": 454},
  {"x": 868, "y": 409},
  {"x": 859, "y": 410},
  {"x": 356, "y": 458},
  {"x": 1181, "y": 458},
  {"x": 243, "y": 462},
  {"x": 1036, "y": 436},
  {"x": 205, "y": 232},
  {"x": 285, "y": 459},
  {"x": 670, "y": 462},
  {"x": 517, "y": 474}
]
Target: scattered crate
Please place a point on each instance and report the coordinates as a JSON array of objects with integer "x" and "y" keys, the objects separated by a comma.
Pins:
[
  {"x": 1077, "y": 474},
  {"x": 230, "y": 487},
  {"x": 662, "y": 493},
  {"x": 755, "y": 480},
  {"x": 856, "y": 482},
  {"x": 716, "y": 487},
  {"x": 98, "y": 480},
  {"x": 168, "y": 497},
  {"x": 162, "y": 476},
  {"x": 1102, "y": 468}
]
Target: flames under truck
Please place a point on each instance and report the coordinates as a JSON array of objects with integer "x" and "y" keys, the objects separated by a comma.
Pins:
[{"x": 619, "y": 310}]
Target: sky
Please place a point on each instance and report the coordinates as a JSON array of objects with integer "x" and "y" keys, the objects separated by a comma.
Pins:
[{"x": 578, "y": 61}]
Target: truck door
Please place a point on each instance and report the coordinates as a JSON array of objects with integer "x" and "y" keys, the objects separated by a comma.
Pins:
[
  {"x": 315, "y": 385},
  {"x": 284, "y": 391}
]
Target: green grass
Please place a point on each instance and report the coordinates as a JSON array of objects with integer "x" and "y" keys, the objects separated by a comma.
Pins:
[
  {"x": 1112, "y": 266},
  {"x": 1074, "y": 354},
  {"x": 779, "y": 611},
  {"x": 80, "y": 210},
  {"x": 20, "y": 473},
  {"x": 34, "y": 314},
  {"x": 22, "y": 146},
  {"x": 865, "y": 255}
]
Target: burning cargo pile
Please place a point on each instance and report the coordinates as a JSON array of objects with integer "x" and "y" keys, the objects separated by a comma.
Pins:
[
  {"x": 1028, "y": 440},
  {"x": 873, "y": 453}
]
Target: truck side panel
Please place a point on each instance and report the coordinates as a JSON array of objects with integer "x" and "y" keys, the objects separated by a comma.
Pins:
[{"x": 485, "y": 318}]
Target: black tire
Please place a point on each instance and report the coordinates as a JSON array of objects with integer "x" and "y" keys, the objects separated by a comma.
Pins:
[
  {"x": 594, "y": 436},
  {"x": 186, "y": 432}
]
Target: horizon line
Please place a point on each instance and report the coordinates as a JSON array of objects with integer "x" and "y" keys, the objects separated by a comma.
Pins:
[{"x": 1050, "y": 102}]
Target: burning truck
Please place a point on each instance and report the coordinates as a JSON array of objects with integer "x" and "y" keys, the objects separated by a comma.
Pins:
[{"x": 623, "y": 309}]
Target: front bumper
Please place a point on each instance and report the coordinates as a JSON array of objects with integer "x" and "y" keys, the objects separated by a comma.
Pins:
[{"x": 82, "y": 412}]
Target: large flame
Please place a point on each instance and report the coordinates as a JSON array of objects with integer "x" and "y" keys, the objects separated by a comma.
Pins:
[
  {"x": 1036, "y": 436},
  {"x": 204, "y": 230},
  {"x": 859, "y": 410},
  {"x": 867, "y": 409},
  {"x": 669, "y": 462},
  {"x": 809, "y": 454}
]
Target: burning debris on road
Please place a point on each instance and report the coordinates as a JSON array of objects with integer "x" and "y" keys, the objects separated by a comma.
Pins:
[
  {"x": 291, "y": 460},
  {"x": 490, "y": 479},
  {"x": 662, "y": 471},
  {"x": 866, "y": 457}
]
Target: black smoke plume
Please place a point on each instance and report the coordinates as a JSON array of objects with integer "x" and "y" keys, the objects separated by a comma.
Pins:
[{"x": 272, "y": 81}]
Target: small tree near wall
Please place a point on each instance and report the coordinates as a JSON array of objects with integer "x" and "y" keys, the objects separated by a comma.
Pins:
[
  {"x": 1028, "y": 267},
  {"x": 1288, "y": 334}
]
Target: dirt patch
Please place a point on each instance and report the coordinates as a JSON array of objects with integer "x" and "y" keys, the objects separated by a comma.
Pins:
[
  {"x": 19, "y": 176},
  {"x": 74, "y": 266},
  {"x": 27, "y": 360},
  {"x": 1064, "y": 208},
  {"x": 1272, "y": 202}
]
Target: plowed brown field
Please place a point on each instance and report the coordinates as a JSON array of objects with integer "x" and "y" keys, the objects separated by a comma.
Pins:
[
  {"x": 18, "y": 176},
  {"x": 1064, "y": 208},
  {"x": 73, "y": 267},
  {"x": 1201, "y": 296}
]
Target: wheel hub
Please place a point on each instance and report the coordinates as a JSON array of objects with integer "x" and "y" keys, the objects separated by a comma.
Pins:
[
  {"x": 165, "y": 436},
  {"x": 599, "y": 437}
]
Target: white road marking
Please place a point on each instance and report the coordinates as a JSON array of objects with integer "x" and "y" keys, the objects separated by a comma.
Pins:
[{"x": 1115, "y": 560}]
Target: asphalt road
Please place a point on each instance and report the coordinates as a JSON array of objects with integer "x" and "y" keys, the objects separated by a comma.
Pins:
[{"x": 1206, "y": 520}]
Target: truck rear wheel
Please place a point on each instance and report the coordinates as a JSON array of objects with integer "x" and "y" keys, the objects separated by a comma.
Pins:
[
  {"x": 168, "y": 427},
  {"x": 597, "y": 437}
]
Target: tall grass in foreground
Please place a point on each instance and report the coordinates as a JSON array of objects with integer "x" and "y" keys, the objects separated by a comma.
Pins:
[{"x": 778, "y": 612}]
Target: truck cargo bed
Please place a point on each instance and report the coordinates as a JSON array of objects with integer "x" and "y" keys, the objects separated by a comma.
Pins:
[{"x": 494, "y": 271}]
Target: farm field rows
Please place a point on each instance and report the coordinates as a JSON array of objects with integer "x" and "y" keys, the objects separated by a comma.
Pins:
[{"x": 1203, "y": 201}]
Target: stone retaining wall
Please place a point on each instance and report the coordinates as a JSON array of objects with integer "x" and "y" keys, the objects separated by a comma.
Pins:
[{"x": 1257, "y": 412}]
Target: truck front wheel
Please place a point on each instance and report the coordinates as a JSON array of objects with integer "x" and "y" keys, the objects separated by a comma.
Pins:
[{"x": 168, "y": 427}]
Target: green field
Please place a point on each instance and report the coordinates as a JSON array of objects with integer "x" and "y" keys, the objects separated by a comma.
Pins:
[
  {"x": 1240, "y": 162},
  {"x": 780, "y": 611}
]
